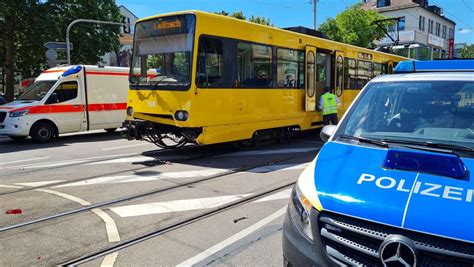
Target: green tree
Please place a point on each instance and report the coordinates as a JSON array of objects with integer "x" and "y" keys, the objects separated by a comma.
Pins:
[
  {"x": 240, "y": 15},
  {"x": 90, "y": 41},
  {"x": 468, "y": 51},
  {"x": 24, "y": 31},
  {"x": 354, "y": 26}
]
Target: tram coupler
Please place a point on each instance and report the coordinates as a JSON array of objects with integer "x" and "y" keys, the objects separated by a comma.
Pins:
[{"x": 134, "y": 129}]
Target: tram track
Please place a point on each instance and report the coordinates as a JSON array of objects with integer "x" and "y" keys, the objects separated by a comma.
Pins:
[
  {"x": 163, "y": 230},
  {"x": 149, "y": 193},
  {"x": 148, "y": 164}
]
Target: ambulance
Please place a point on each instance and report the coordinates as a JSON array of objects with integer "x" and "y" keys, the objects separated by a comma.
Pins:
[
  {"x": 65, "y": 100},
  {"x": 394, "y": 183}
]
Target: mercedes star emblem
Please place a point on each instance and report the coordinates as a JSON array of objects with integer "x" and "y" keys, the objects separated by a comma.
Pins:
[{"x": 398, "y": 250}]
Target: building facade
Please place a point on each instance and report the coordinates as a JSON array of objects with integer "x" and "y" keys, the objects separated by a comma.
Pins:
[
  {"x": 123, "y": 57},
  {"x": 423, "y": 31}
]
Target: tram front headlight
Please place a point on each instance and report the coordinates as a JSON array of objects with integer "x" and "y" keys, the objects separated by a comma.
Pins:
[
  {"x": 181, "y": 115},
  {"x": 129, "y": 111}
]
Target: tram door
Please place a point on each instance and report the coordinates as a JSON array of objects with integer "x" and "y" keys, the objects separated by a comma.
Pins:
[
  {"x": 390, "y": 67},
  {"x": 339, "y": 75},
  {"x": 310, "y": 95}
]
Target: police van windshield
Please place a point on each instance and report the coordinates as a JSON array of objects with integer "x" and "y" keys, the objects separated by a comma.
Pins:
[
  {"x": 440, "y": 112},
  {"x": 37, "y": 90},
  {"x": 162, "y": 53}
]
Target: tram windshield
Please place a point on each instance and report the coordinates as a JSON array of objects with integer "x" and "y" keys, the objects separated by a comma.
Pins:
[{"x": 162, "y": 53}]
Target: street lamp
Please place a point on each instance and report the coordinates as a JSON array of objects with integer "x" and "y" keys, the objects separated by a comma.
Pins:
[{"x": 68, "y": 46}]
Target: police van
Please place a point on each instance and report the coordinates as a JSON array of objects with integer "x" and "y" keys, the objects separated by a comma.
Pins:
[
  {"x": 68, "y": 99},
  {"x": 394, "y": 183}
]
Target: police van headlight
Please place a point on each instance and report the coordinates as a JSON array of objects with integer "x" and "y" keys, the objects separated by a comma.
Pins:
[
  {"x": 18, "y": 113},
  {"x": 300, "y": 209}
]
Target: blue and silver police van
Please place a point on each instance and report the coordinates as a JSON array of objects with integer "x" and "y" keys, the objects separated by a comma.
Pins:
[{"x": 394, "y": 183}]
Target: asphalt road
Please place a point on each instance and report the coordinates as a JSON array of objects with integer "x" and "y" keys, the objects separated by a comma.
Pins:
[{"x": 88, "y": 192}]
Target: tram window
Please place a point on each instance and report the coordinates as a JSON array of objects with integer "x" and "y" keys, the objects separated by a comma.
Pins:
[
  {"x": 290, "y": 68},
  {"x": 350, "y": 74},
  {"x": 377, "y": 69},
  {"x": 210, "y": 66},
  {"x": 364, "y": 73},
  {"x": 254, "y": 65},
  {"x": 339, "y": 75}
]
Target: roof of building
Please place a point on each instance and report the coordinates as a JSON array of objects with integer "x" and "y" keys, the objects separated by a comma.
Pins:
[{"x": 124, "y": 7}]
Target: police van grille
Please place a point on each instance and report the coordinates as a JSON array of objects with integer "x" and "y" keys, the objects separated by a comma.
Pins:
[
  {"x": 2, "y": 116},
  {"x": 353, "y": 241}
]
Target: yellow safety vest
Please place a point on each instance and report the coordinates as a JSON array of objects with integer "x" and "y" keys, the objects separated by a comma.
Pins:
[{"x": 329, "y": 104}]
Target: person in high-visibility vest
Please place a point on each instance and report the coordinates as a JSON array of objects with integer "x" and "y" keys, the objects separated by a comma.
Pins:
[{"x": 328, "y": 104}]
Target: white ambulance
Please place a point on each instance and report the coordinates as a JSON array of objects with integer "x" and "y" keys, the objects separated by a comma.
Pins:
[{"x": 68, "y": 99}]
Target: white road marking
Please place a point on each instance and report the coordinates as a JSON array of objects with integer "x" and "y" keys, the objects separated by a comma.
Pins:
[
  {"x": 122, "y": 160},
  {"x": 175, "y": 205},
  {"x": 285, "y": 194},
  {"x": 271, "y": 151},
  {"x": 109, "y": 260},
  {"x": 144, "y": 178},
  {"x": 279, "y": 167},
  {"x": 120, "y": 147},
  {"x": 66, "y": 196},
  {"x": 23, "y": 160},
  {"x": 65, "y": 162},
  {"x": 216, "y": 248},
  {"x": 11, "y": 186},
  {"x": 34, "y": 184},
  {"x": 110, "y": 225}
]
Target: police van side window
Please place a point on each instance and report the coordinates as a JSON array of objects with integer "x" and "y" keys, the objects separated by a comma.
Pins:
[{"x": 64, "y": 92}]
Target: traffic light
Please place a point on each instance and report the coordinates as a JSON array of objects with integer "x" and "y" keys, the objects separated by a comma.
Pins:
[{"x": 126, "y": 26}]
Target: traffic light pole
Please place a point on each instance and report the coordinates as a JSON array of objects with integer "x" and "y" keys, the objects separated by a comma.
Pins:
[{"x": 68, "y": 47}]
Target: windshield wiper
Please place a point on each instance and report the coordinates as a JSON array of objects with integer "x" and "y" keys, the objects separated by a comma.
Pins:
[
  {"x": 450, "y": 146},
  {"x": 140, "y": 80},
  {"x": 361, "y": 139},
  {"x": 429, "y": 146}
]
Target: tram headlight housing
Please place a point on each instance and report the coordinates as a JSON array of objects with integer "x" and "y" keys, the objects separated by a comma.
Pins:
[
  {"x": 129, "y": 111},
  {"x": 300, "y": 209},
  {"x": 181, "y": 115}
]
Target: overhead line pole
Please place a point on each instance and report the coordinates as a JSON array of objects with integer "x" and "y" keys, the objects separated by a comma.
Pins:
[
  {"x": 68, "y": 47},
  {"x": 315, "y": 2}
]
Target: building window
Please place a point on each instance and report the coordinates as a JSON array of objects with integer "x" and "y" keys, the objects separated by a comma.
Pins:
[
  {"x": 444, "y": 31},
  {"x": 254, "y": 65},
  {"x": 421, "y": 23},
  {"x": 430, "y": 26},
  {"x": 438, "y": 29},
  {"x": 401, "y": 24},
  {"x": 451, "y": 33},
  {"x": 383, "y": 3}
]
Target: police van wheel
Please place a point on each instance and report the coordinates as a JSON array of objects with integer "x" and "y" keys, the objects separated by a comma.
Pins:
[
  {"x": 18, "y": 138},
  {"x": 111, "y": 130},
  {"x": 43, "y": 132}
]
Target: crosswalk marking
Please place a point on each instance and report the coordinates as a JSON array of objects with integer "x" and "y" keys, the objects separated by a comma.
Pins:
[
  {"x": 144, "y": 178},
  {"x": 285, "y": 194},
  {"x": 175, "y": 206},
  {"x": 42, "y": 183}
]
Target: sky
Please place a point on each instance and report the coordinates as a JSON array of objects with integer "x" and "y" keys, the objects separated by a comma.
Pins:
[{"x": 285, "y": 13}]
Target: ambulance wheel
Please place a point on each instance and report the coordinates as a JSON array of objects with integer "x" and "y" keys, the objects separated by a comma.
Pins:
[
  {"x": 18, "y": 138},
  {"x": 111, "y": 130},
  {"x": 43, "y": 132}
]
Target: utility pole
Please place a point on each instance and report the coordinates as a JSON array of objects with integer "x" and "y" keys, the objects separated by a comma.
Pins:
[
  {"x": 68, "y": 47},
  {"x": 315, "y": 2}
]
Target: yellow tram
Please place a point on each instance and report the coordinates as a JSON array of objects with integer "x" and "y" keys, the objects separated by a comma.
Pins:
[{"x": 204, "y": 78}]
